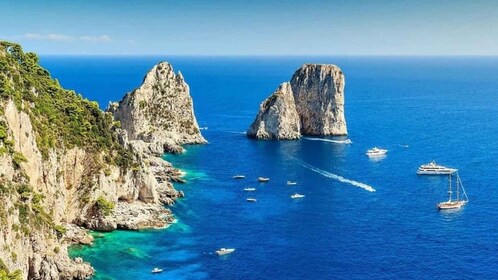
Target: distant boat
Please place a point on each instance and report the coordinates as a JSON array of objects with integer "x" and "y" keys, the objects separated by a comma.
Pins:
[
  {"x": 251, "y": 199},
  {"x": 296, "y": 195},
  {"x": 290, "y": 183},
  {"x": 433, "y": 169},
  {"x": 263, "y": 179},
  {"x": 157, "y": 270},
  {"x": 224, "y": 251},
  {"x": 461, "y": 196},
  {"x": 239, "y": 177},
  {"x": 249, "y": 189},
  {"x": 376, "y": 152}
]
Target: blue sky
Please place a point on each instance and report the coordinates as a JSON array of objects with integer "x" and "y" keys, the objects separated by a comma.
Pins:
[{"x": 253, "y": 27}]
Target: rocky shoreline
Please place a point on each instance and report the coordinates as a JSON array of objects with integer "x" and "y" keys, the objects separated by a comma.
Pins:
[{"x": 67, "y": 167}]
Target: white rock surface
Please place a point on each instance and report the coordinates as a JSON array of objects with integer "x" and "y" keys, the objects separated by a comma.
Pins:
[
  {"x": 160, "y": 112},
  {"x": 318, "y": 99}
]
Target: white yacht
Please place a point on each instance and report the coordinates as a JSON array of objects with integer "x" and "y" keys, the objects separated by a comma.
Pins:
[
  {"x": 296, "y": 195},
  {"x": 251, "y": 199},
  {"x": 461, "y": 196},
  {"x": 291, "y": 183},
  {"x": 224, "y": 251},
  {"x": 263, "y": 179},
  {"x": 375, "y": 152},
  {"x": 157, "y": 270},
  {"x": 433, "y": 169},
  {"x": 249, "y": 189},
  {"x": 239, "y": 177}
]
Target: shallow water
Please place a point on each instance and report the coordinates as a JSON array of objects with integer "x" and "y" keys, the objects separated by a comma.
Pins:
[{"x": 419, "y": 109}]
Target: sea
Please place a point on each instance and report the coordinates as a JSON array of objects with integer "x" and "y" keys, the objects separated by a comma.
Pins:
[{"x": 360, "y": 218}]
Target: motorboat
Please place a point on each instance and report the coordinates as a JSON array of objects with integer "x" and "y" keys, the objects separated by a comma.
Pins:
[
  {"x": 239, "y": 177},
  {"x": 432, "y": 168},
  {"x": 157, "y": 270},
  {"x": 296, "y": 195},
  {"x": 263, "y": 179},
  {"x": 251, "y": 199},
  {"x": 291, "y": 183},
  {"x": 249, "y": 189},
  {"x": 224, "y": 251},
  {"x": 376, "y": 152}
]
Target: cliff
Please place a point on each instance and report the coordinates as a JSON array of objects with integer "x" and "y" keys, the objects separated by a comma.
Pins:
[
  {"x": 159, "y": 112},
  {"x": 64, "y": 165},
  {"x": 317, "y": 92},
  {"x": 277, "y": 117}
]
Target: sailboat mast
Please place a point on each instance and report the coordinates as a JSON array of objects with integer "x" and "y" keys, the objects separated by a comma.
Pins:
[
  {"x": 449, "y": 187},
  {"x": 458, "y": 187}
]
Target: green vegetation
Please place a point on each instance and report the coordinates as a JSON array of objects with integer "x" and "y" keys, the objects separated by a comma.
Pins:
[
  {"x": 5, "y": 274},
  {"x": 61, "y": 118},
  {"x": 104, "y": 206}
]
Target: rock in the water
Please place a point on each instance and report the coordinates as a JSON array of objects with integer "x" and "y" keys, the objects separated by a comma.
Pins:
[
  {"x": 160, "y": 111},
  {"x": 277, "y": 117},
  {"x": 317, "y": 92}
]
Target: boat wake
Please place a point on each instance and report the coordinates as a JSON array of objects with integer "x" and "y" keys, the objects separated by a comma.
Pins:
[
  {"x": 346, "y": 141},
  {"x": 338, "y": 178}
]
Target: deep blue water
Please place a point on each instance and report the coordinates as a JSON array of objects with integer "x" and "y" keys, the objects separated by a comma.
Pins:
[{"x": 420, "y": 108}]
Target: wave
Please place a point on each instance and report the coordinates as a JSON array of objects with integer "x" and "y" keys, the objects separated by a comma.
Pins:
[
  {"x": 338, "y": 177},
  {"x": 346, "y": 141}
]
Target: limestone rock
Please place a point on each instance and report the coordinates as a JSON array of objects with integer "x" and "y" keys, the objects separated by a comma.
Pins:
[
  {"x": 277, "y": 117},
  {"x": 159, "y": 112},
  {"x": 318, "y": 99}
]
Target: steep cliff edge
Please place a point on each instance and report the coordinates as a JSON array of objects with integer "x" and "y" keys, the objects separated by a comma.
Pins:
[
  {"x": 65, "y": 164},
  {"x": 159, "y": 112},
  {"x": 318, "y": 99},
  {"x": 277, "y": 117}
]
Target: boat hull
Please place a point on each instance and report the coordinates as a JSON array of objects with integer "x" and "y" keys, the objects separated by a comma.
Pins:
[
  {"x": 451, "y": 205},
  {"x": 445, "y": 172}
]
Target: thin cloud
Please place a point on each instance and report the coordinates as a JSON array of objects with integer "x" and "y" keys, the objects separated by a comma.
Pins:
[
  {"x": 66, "y": 38},
  {"x": 101, "y": 38}
]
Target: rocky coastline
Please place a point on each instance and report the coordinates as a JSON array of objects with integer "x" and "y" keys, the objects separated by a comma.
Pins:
[{"x": 67, "y": 167}]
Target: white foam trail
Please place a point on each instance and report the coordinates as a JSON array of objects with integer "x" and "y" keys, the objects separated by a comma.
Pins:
[
  {"x": 338, "y": 178},
  {"x": 347, "y": 141}
]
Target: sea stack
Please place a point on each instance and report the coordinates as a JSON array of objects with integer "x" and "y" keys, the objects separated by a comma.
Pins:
[
  {"x": 312, "y": 103},
  {"x": 160, "y": 112}
]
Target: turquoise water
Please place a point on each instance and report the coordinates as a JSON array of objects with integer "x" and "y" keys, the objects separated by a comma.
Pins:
[{"x": 360, "y": 218}]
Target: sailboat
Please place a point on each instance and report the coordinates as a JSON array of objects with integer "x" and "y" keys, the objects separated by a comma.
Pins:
[{"x": 461, "y": 196}]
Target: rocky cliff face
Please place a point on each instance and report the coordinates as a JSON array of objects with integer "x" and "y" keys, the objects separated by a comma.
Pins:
[
  {"x": 66, "y": 166},
  {"x": 159, "y": 112},
  {"x": 318, "y": 99},
  {"x": 277, "y": 117}
]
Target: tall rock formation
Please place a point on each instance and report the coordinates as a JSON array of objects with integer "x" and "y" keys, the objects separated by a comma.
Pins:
[
  {"x": 317, "y": 92},
  {"x": 159, "y": 112}
]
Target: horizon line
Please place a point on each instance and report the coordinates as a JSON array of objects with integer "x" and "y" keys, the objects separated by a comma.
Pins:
[{"x": 271, "y": 55}]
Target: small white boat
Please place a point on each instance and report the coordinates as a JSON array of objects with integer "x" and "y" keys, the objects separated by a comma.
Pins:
[
  {"x": 263, "y": 179},
  {"x": 461, "y": 196},
  {"x": 251, "y": 199},
  {"x": 249, "y": 189},
  {"x": 239, "y": 177},
  {"x": 157, "y": 270},
  {"x": 432, "y": 168},
  {"x": 296, "y": 195},
  {"x": 376, "y": 152},
  {"x": 290, "y": 183},
  {"x": 224, "y": 251}
]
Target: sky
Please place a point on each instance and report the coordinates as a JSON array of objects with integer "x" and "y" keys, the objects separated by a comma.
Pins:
[{"x": 252, "y": 27}]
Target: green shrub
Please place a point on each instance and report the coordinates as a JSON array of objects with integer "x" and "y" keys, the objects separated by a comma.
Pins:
[{"x": 104, "y": 206}]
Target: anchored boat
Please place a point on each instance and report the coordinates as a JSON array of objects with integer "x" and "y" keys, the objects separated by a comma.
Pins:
[
  {"x": 461, "y": 195},
  {"x": 433, "y": 168},
  {"x": 263, "y": 179},
  {"x": 224, "y": 251},
  {"x": 239, "y": 177}
]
